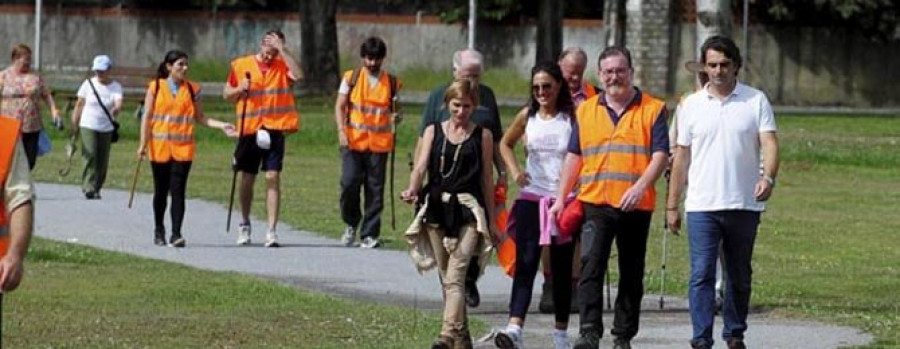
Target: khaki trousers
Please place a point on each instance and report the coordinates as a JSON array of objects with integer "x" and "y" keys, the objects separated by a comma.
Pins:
[{"x": 452, "y": 266}]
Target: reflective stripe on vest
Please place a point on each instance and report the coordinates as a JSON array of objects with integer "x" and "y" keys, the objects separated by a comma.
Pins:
[
  {"x": 615, "y": 156},
  {"x": 172, "y": 123},
  {"x": 270, "y": 101},
  {"x": 369, "y": 127},
  {"x": 9, "y": 136}
]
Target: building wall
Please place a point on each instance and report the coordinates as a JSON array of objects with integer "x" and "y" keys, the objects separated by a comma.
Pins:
[{"x": 794, "y": 66}]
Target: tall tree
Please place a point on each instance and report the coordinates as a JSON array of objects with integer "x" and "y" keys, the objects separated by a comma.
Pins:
[
  {"x": 549, "y": 30},
  {"x": 318, "y": 45},
  {"x": 713, "y": 18},
  {"x": 614, "y": 16}
]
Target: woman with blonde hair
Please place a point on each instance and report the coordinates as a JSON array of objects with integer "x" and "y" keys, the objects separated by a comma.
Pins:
[{"x": 452, "y": 224}]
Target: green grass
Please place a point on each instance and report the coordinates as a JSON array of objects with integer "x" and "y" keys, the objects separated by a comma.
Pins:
[
  {"x": 826, "y": 247},
  {"x": 80, "y": 297}
]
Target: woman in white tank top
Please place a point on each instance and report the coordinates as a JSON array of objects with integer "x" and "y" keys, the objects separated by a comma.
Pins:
[{"x": 545, "y": 126}]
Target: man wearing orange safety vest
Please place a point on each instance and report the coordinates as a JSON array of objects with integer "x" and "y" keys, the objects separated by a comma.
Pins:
[
  {"x": 262, "y": 86},
  {"x": 16, "y": 208},
  {"x": 365, "y": 117},
  {"x": 618, "y": 150}
]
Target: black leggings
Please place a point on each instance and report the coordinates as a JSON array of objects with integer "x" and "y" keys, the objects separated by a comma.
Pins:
[
  {"x": 30, "y": 143},
  {"x": 169, "y": 178},
  {"x": 528, "y": 255}
]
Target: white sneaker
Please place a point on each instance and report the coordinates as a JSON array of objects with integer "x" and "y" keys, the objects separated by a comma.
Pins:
[
  {"x": 561, "y": 341},
  {"x": 243, "y": 234},
  {"x": 349, "y": 236},
  {"x": 370, "y": 242},
  {"x": 272, "y": 239},
  {"x": 508, "y": 340}
]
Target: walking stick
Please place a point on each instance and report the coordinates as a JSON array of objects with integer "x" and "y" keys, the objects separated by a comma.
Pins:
[
  {"x": 662, "y": 281},
  {"x": 137, "y": 172},
  {"x": 234, "y": 158},
  {"x": 71, "y": 149},
  {"x": 395, "y": 118}
]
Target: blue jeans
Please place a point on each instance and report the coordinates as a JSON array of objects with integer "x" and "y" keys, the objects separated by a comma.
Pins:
[{"x": 735, "y": 230}]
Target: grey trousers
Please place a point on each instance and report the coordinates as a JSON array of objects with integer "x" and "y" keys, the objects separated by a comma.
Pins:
[
  {"x": 95, "y": 147},
  {"x": 364, "y": 170}
]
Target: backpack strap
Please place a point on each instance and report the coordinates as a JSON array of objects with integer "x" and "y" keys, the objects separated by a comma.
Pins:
[
  {"x": 352, "y": 82},
  {"x": 393, "y": 88}
]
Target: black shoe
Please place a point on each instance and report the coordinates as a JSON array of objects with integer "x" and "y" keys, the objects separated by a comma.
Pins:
[
  {"x": 736, "y": 343},
  {"x": 589, "y": 339},
  {"x": 177, "y": 241},
  {"x": 442, "y": 342},
  {"x": 159, "y": 241},
  {"x": 473, "y": 298},
  {"x": 545, "y": 306},
  {"x": 700, "y": 345},
  {"x": 621, "y": 343},
  {"x": 92, "y": 195}
]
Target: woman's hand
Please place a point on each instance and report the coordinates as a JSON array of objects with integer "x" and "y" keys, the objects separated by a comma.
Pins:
[
  {"x": 522, "y": 179},
  {"x": 409, "y": 196},
  {"x": 142, "y": 152},
  {"x": 229, "y": 130},
  {"x": 57, "y": 120},
  {"x": 557, "y": 208}
]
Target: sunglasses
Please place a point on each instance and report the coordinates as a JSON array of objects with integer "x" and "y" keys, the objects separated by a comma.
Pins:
[{"x": 539, "y": 87}]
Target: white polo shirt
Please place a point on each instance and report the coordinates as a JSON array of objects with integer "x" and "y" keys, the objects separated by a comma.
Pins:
[{"x": 725, "y": 149}]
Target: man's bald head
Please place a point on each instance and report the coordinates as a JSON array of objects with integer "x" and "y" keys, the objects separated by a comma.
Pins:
[
  {"x": 573, "y": 62},
  {"x": 468, "y": 64}
]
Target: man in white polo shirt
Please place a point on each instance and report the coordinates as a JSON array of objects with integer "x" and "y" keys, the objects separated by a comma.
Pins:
[{"x": 721, "y": 130}]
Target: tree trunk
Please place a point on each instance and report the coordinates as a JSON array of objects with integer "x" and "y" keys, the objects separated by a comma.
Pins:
[
  {"x": 549, "y": 30},
  {"x": 614, "y": 15},
  {"x": 713, "y": 18},
  {"x": 318, "y": 46}
]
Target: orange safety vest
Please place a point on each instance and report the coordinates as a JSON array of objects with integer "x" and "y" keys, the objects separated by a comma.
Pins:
[
  {"x": 9, "y": 136},
  {"x": 172, "y": 123},
  {"x": 589, "y": 90},
  {"x": 369, "y": 127},
  {"x": 270, "y": 102},
  {"x": 615, "y": 156}
]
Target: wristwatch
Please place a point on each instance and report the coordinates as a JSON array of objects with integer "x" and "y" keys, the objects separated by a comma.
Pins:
[{"x": 770, "y": 180}]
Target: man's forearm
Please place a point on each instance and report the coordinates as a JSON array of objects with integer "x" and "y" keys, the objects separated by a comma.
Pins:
[{"x": 21, "y": 221}]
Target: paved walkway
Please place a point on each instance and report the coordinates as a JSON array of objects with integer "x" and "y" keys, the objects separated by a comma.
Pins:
[{"x": 322, "y": 264}]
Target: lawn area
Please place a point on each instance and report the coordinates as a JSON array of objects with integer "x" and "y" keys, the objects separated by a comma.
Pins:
[{"x": 824, "y": 249}]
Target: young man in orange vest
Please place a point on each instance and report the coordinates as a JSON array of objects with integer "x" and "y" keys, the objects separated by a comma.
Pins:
[
  {"x": 16, "y": 209},
  {"x": 262, "y": 86},
  {"x": 365, "y": 117},
  {"x": 618, "y": 149}
]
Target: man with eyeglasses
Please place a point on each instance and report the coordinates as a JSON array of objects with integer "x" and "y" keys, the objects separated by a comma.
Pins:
[
  {"x": 721, "y": 131},
  {"x": 618, "y": 149}
]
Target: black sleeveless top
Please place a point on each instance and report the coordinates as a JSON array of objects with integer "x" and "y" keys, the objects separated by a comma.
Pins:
[{"x": 461, "y": 173}]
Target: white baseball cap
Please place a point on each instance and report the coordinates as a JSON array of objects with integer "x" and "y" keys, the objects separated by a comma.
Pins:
[{"x": 101, "y": 63}]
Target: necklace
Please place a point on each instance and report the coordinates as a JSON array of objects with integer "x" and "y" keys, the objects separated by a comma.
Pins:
[{"x": 455, "y": 156}]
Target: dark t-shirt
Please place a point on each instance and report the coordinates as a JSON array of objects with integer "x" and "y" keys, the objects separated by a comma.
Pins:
[{"x": 485, "y": 115}]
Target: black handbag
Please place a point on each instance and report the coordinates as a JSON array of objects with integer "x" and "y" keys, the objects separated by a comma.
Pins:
[{"x": 115, "y": 133}]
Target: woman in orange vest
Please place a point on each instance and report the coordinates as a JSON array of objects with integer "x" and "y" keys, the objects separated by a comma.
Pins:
[
  {"x": 544, "y": 126},
  {"x": 167, "y": 131}
]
